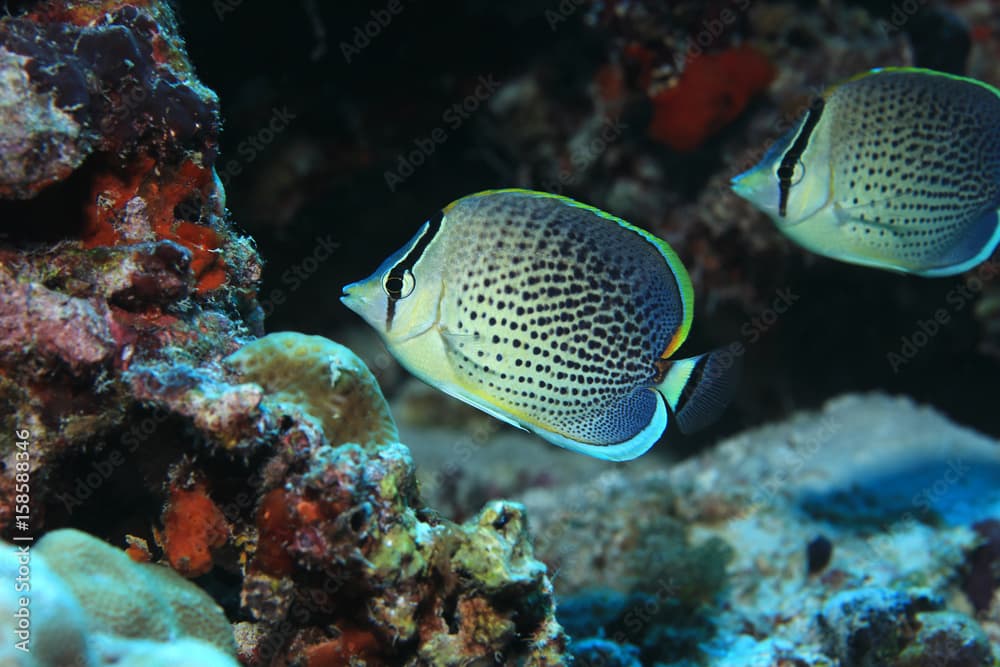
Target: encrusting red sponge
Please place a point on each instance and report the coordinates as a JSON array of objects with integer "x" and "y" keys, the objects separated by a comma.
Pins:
[{"x": 711, "y": 93}]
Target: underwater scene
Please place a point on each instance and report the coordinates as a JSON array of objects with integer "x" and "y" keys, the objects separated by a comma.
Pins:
[{"x": 607, "y": 333}]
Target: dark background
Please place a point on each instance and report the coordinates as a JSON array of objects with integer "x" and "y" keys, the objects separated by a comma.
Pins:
[{"x": 325, "y": 177}]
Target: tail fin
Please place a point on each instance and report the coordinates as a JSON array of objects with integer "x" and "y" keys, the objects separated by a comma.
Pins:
[{"x": 699, "y": 389}]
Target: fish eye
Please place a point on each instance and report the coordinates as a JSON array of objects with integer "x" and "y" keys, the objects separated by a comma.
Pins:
[
  {"x": 398, "y": 285},
  {"x": 793, "y": 175}
]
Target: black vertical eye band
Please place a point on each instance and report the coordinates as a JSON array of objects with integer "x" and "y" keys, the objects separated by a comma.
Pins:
[
  {"x": 394, "y": 281},
  {"x": 394, "y": 287},
  {"x": 787, "y": 169}
]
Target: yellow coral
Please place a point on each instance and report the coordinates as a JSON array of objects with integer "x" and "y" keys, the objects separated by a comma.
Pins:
[{"x": 325, "y": 380}]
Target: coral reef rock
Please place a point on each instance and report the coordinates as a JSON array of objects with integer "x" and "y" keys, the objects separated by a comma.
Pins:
[
  {"x": 346, "y": 561},
  {"x": 119, "y": 271},
  {"x": 707, "y": 561},
  {"x": 268, "y": 469}
]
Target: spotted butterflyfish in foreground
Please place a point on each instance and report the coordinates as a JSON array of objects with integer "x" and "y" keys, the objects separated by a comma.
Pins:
[
  {"x": 550, "y": 315},
  {"x": 896, "y": 168}
]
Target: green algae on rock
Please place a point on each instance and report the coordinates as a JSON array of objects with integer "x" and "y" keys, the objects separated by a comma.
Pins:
[
  {"x": 345, "y": 538},
  {"x": 499, "y": 552}
]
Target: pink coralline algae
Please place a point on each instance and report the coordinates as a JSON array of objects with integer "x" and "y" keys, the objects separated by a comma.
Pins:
[{"x": 114, "y": 249}]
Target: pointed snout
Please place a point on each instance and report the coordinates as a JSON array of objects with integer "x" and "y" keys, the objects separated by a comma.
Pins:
[
  {"x": 739, "y": 186},
  {"x": 350, "y": 296}
]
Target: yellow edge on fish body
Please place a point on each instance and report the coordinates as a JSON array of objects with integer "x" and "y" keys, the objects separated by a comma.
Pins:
[
  {"x": 673, "y": 261},
  {"x": 459, "y": 389},
  {"x": 912, "y": 70}
]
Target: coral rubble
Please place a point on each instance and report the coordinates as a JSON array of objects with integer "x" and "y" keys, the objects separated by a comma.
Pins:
[
  {"x": 903, "y": 495},
  {"x": 716, "y": 560}
]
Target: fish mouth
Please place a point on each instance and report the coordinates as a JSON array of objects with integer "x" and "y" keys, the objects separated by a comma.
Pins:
[
  {"x": 751, "y": 180},
  {"x": 739, "y": 185},
  {"x": 347, "y": 298}
]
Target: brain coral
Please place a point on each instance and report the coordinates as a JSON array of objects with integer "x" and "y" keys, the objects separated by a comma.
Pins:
[
  {"x": 93, "y": 605},
  {"x": 323, "y": 379}
]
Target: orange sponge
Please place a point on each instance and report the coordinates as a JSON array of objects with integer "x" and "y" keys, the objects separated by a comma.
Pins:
[
  {"x": 711, "y": 93},
  {"x": 192, "y": 526}
]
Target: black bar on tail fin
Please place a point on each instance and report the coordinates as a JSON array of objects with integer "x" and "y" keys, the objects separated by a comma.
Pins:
[{"x": 709, "y": 390}]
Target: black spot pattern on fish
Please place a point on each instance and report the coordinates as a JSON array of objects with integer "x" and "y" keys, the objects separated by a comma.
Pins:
[
  {"x": 917, "y": 161},
  {"x": 558, "y": 314}
]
